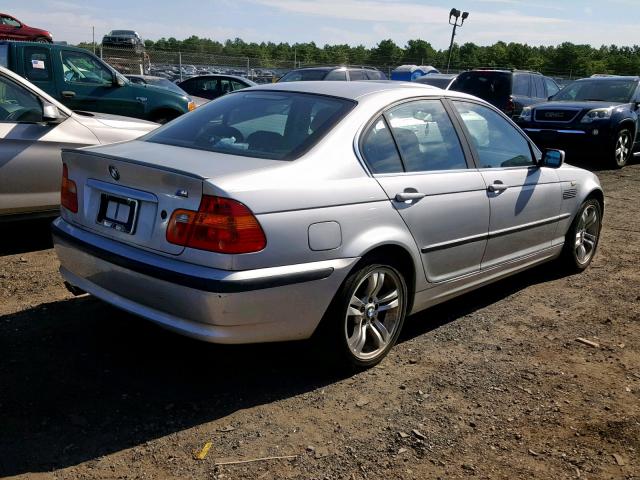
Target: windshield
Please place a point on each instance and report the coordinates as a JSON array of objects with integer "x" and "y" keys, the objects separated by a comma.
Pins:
[
  {"x": 619, "y": 91},
  {"x": 304, "y": 75},
  {"x": 169, "y": 85},
  {"x": 490, "y": 86},
  {"x": 263, "y": 124}
]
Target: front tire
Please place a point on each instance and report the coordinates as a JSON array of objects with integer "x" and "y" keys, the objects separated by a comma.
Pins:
[
  {"x": 583, "y": 236},
  {"x": 366, "y": 316},
  {"x": 622, "y": 149}
]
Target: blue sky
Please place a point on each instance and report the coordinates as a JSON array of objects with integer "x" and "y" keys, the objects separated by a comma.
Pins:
[{"x": 537, "y": 22}]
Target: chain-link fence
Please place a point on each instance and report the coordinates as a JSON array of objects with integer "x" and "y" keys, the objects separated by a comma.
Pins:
[{"x": 180, "y": 65}]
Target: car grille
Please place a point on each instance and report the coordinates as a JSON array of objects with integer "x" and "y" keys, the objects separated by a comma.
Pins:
[{"x": 565, "y": 115}]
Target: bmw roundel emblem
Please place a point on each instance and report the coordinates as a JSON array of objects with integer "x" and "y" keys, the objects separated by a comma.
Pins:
[{"x": 113, "y": 171}]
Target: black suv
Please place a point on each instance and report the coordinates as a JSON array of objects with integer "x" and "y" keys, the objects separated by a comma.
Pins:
[
  {"x": 344, "y": 74},
  {"x": 508, "y": 90},
  {"x": 123, "y": 39},
  {"x": 598, "y": 114}
]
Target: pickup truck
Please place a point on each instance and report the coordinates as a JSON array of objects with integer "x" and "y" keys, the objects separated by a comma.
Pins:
[{"x": 82, "y": 81}]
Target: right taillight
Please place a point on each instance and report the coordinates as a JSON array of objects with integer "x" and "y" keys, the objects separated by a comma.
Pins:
[
  {"x": 220, "y": 225},
  {"x": 68, "y": 191}
]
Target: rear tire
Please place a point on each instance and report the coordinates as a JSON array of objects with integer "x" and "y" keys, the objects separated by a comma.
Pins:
[
  {"x": 622, "y": 148},
  {"x": 583, "y": 236},
  {"x": 366, "y": 316}
]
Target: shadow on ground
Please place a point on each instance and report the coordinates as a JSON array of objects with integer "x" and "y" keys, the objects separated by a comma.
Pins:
[
  {"x": 81, "y": 379},
  {"x": 25, "y": 236}
]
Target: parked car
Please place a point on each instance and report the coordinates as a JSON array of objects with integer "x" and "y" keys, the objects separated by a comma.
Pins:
[
  {"x": 254, "y": 218},
  {"x": 128, "y": 39},
  {"x": 163, "y": 83},
  {"x": 598, "y": 114},
  {"x": 333, "y": 73},
  {"x": 82, "y": 81},
  {"x": 34, "y": 128},
  {"x": 509, "y": 90},
  {"x": 13, "y": 29},
  {"x": 214, "y": 86},
  {"x": 440, "y": 80}
]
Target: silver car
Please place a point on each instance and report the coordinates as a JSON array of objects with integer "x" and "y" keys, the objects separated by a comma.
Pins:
[
  {"x": 328, "y": 208},
  {"x": 33, "y": 130}
]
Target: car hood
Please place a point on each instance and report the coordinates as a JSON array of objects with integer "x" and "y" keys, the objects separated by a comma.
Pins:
[
  {"x": 573, "y": 104},
  {"x": 113, "y": 128}
]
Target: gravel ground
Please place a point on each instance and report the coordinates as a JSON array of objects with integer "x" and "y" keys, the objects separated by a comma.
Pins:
[{"x": 491, "y": 385}]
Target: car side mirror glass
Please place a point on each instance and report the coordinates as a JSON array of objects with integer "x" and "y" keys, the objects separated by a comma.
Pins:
[
  {"x": 552, "y": 158},
  {"x": 50, "y": 113}
]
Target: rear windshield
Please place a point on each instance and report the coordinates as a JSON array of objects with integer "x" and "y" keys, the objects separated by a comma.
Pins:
[
  {"x": 490, "y": 86},
  {"x": 440, "y": 82},
  {"x": 272, "y": 125},
  {"x": 122, "y": 32},
  {"x": 304, "y": 75},
  {"x": 598, "y": 90}
]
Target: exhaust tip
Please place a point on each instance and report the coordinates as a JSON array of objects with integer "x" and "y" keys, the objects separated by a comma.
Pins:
[{"x": 73, "y": 289}]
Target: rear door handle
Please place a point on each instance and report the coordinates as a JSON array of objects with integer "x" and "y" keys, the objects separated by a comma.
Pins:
[
  {"x": 497, "y": 187},
  {"x": 68, "y": 94},
  {"x": 406, "y": 196}
]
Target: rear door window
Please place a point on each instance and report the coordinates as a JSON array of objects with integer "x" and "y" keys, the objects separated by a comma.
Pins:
[
  {"x": 37, "y": 64},
  {"x": 537, "y": 86},
  {"x": 337, "y": 75},
  {"x": 521, "y": 84},
  {"x": 262, "y": 124},
  {"x": 379, "y": 150},
  {"x": 374, "y": 75},
  {"x": 356, "y": 75}
]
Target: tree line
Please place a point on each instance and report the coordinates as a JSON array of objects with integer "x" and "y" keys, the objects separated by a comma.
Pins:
[{"x": 566, "y": 59}]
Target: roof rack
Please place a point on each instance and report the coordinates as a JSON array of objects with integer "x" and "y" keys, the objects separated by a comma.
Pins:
[{"x": 508, "y": 70}]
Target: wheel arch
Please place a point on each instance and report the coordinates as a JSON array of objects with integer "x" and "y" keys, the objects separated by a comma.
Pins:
[
  {"x": 170, "y": 113},
  {"x": 598, "y": 195}
]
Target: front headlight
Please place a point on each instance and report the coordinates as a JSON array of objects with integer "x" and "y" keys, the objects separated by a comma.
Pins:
[
  {"x": 597, "y": 114},
  {"x": 525, "y": 114}
]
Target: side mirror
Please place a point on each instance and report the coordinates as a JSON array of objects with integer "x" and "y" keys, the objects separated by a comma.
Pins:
[
  {"x": 50, "y": 113},
  {"x": 552, "y": 158},
  {"x": 550, "y": 98}
]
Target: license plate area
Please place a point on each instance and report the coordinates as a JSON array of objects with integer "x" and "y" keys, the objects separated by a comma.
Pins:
[{"x": 118, "y": 213}]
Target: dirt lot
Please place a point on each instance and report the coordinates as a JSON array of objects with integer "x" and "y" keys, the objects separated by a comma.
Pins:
[{"x": 491, "y": 385}]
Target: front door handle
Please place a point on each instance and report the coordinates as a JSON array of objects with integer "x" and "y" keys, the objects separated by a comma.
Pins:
[
  {"x": 406, "y": 196},
  {"x": 497, "y": 187},
  {"x": 68, "y": 94}
]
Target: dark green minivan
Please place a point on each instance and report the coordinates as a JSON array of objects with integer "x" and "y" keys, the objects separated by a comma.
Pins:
[{"x": 82, "y": 81}]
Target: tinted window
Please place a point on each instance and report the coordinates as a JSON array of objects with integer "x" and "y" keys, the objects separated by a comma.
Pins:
[
  {"x": 337, "y": 75},
  {"x": 10, "y": 22},
  {"x": 37, "y": 64},
  {"x": 356, "y": 75},
  {"x": 237, "y": 85},
  {"x": 538, "y": 86},
  {"x": 82, "y": 68},
  {"x": 425, "y": 136},
  {"x": 497, "y": 142},
  {"x": 374, "y": 75},
  {"x": 521, "y": 84},
  {"x": 605, "y": 90},
  {"x": 493, "y": 87},
  {"x": 440, "y": 82},
  {"x": 273, "y": 125},
  {"x": 552, "y": 87},
  {"x": 304, "y": 75},
  {"x": 379, "y": 151},
  {"x": 17, "y": 104}
]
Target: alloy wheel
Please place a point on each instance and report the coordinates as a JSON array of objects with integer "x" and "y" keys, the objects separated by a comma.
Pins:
[
  {"x": 623, "y": 148},
  {"x": 587, "y": 234},
  {"x": 374, "y": 313}
]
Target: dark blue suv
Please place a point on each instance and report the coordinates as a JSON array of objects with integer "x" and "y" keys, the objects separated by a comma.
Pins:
[{"x": 598, "y": 114}]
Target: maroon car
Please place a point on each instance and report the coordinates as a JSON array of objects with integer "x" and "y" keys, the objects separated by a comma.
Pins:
[{"x": 13, "y": 29}]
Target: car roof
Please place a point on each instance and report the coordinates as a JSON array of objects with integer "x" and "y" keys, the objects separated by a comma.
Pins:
[
  {"x": 610, "y": 78},
  {"x": 358, "y": 89},
  {"x": 222, "y": 75}
]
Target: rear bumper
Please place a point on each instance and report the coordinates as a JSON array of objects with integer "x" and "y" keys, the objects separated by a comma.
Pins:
[{"x": 220, "y": 306}]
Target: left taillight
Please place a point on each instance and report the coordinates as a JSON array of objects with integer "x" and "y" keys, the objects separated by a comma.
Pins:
[
  {"x": 68, "y": 191},
  {"x": 220, "y": 225}
]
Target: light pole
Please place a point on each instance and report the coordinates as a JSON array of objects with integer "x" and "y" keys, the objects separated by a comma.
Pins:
[{"x": 455, "y": 14}]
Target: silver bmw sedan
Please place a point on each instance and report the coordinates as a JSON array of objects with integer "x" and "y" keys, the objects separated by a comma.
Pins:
[{"x": 328, "y": 209}]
